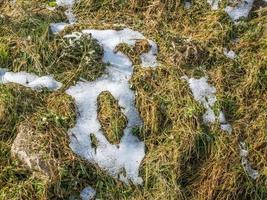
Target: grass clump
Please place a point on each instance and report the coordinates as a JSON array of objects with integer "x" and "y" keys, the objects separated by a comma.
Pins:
[
  {"x": 112, "y": 120},
  {"x": 134, "y": 53}
]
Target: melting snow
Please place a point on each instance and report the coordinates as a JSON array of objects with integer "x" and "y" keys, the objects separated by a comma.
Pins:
[
  {"x": 214, "y": 4},
  {"x": 187, "y": 4},
  {"x": 123, "y": 160},
  {"x": 87, "y": 193},
  {"x": 29, "y": 80},
  {"x": 58, "y": 27},
  {"x": 242, "y": 9},
  {"x": 254, "y": 174},
  {"x": 205, "y": 94},
  {"x": 229, "y": 54}
]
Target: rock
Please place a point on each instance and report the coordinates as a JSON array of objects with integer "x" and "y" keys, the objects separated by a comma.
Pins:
[{"x": 24, "y": 148}]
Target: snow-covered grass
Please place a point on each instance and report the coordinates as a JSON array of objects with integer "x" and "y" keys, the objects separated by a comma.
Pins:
[
  {"x": 128, "y": 154},
  {"x": 184, "y": 157},
  {"x": 206, "y": 96}
]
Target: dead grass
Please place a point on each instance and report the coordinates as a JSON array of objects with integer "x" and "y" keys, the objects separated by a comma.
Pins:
[
  {"x": 111, "y": 118},
  {"x": 184, "y": 158}
]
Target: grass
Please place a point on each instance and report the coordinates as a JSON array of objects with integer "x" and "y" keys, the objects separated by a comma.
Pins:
[{"x": 185, "y": 159}]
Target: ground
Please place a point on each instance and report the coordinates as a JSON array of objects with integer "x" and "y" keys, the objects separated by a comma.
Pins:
[{"x": 185, "y": 159}]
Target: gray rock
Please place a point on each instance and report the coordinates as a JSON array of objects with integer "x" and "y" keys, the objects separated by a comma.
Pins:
[{"x": 24, "y": 148}]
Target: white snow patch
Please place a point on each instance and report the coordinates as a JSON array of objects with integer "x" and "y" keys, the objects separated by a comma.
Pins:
[
  {"x": 121, "y": 161},
  {"x": 58, "y": 27},
  {"x": 109, "y": 39},
  {"x": 229, "y": 54},
  {"x": 29, "y": 80},
  {"x": 254, "y": 174},
  {"x": 206, "y": 96},
  {"x": 214, "y": 4},
  {"x": 65, "y": 3},
  {"x": 242, "y": 9},
  {"x": 87, "y": 193},
  {"x": 187, "y": 4},
  {"x": 69, "y": 5}
]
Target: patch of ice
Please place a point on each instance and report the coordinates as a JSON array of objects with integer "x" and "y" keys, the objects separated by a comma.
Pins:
[
  {"x": 241, "y": 10},
  {"x": 214, "y": 4},
  {"x": 121, "y": 161},
  {"x": 254, "y": 174},
  {"x": 87, "y": 193},
  {"x": 205, "y": 95},
  {"x": 29, "y": 80},
  {"x": 229, "y": 54}
]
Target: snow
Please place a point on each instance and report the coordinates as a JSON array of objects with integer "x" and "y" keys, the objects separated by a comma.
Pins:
[
  {"x": 123, "y": 160},
  {"x": 241, "y": 10},
  {"x": 109, "y": 39},
  {"x": 254, "y": 174},
  {"x": 187, "y": 4},
  {"x": 29, "y": 80},
  {"x": 229, "y": 54},
  {"x": 87, "y": 193},
  {"x": 206, "y": 96},
  {"x": 69, "y": 5},
  {"x": 58, "y": 27},
  {"x": 65, "y": 3},
  {"x": 214, "y": 4}
]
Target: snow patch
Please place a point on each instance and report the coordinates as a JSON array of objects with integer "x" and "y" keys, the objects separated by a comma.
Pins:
[
  {"x": 206, "y": 96},
  {"x": 254, "y": 174},
  {"x": 229, "y": 54},
  {"x": 58, "y": 27},
  {"x": 87, "y": 193},
  {"x": 121, "y": 161},
  {"x": 214, "y": 4},
  {"x": 29, "y": 80},
  {"x": 241, "y": 10},
  {"x": 187, "y": 4}
]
